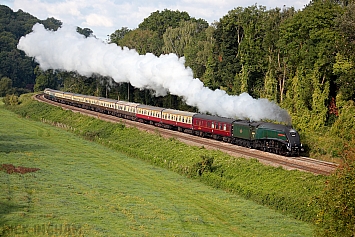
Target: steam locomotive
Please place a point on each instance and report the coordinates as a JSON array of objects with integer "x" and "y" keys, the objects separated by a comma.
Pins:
[{"x": 270, "y": 137}]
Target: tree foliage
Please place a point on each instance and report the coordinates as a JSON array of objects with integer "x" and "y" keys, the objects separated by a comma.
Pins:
[
  {"x": 5, "y": 86},
  {"x": 309, "y": 42},
  {"x": 143, "y": 41},
  {"x": 84, "y": 31},
  {"x": 14, "y": 65},
  {"x": 118, "y": 35},
  {"x": 160, "y": 21},
  {"x": 52, "y": 24}
]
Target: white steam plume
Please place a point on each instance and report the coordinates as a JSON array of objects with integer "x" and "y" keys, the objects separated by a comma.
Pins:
[{"x": 65, "y": 49}]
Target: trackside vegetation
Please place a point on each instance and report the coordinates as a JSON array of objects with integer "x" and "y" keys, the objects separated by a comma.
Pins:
[{"x": 293, "y": 193}]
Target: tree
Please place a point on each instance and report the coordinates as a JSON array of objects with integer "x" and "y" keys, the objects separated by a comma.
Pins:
[
  {"x": 5, "y": 86},
  {"x": 224, "y": 64},
  {"x": 177, "y": 39},
  {"x": 143, "y": 41},
  {"x": 345, "y": 70},
  {"x": 7, "y": 41},
  {"x": 47, "y": 79},
  {"x": 14, "y": 64},
  {"x": 51, "y": 23},
  {"x": 86, "y": 31},
  {"x": 243, "y": 49},
  {"x": 198, "y": 52},
  {"x": 308, "y": 42},
  {"x": 345, "y": 59},
  {"x": 345, "y": 25},
  {"x": 118, "y": 35},
  {"x": 160, "y": 21}
]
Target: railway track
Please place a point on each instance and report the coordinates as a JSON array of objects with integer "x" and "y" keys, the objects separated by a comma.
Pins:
[{"x": 291, "y": 163}]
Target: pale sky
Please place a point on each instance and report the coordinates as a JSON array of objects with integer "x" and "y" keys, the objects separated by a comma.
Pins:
[{"x": 106, "y": 16}]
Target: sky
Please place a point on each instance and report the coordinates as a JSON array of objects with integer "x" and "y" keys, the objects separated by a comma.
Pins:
[{"x": 103, "y": 17}]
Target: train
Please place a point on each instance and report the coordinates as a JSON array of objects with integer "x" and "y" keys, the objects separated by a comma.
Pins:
[{"x": 270, "y": 137}]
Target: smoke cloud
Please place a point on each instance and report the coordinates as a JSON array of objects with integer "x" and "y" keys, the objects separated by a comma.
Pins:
[{"x": 65, "y": 49}]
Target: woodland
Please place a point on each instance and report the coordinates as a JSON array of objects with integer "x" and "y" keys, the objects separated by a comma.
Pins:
[{"x": 303, "y": 60}]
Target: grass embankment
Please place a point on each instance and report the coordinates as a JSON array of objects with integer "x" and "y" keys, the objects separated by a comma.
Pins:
[{"x": 107, "y": 192}]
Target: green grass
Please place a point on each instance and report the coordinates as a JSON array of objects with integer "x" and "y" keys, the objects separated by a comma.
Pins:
[{"x": 85, "y": 188}]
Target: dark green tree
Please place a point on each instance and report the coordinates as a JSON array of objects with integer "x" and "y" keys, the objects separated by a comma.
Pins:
[
  {"x": 177, "y": 39},
  {"x": 51, "y": 23},
  {"x": 160, "y": 21},
  {"x": 118, "y": 35},
  {"x": 143, "y": 41},
  {"x": 245, "y": 51},
  {"x": 86, "y": 31},
  {"x": 308, "y": 43},
  {"x": 47, "y": 79},
  {"x": 198, "y": 52},
  {"x": 13, "y": 62},
  {"x": 5, "y": 86},
  {"x": 345, "y": 59}
]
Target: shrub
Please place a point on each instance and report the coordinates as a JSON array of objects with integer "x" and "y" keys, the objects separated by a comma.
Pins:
[
  {"x": 337, "y": 203},
  {"x": 11, "y": 100}
]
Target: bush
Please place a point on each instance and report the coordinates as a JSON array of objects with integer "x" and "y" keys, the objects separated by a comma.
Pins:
[
  {"x": 337, "y": 203},
  {"x": 11, "y": 100}
]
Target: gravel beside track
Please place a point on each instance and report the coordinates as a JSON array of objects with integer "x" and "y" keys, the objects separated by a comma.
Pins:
[{"x": 290, "y": 163}]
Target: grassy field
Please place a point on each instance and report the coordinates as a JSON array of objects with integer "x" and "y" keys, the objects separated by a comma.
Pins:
[{"x": 83, "y": 188}]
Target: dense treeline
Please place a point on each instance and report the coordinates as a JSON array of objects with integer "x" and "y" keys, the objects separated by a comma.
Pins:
[{"x": 301, "y": 59}]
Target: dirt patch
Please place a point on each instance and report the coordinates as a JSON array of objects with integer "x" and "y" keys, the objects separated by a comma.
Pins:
[{"x": 9, "y": 168}]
